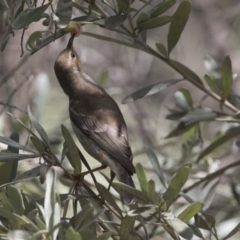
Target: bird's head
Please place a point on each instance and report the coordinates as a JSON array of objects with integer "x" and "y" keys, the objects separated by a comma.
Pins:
[
  {"x": 67, "y": 67},
  {"x": 68, "y": 60}
]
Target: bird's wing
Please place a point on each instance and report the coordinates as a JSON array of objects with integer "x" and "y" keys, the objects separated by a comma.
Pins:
[{"x": 110, "y": 138}]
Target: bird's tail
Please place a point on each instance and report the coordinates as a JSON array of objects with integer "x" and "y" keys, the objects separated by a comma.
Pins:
[{"x": 125, "y": 177}]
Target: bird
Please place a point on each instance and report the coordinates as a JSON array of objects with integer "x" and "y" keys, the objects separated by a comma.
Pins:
[{"x": 96, "y": 118}]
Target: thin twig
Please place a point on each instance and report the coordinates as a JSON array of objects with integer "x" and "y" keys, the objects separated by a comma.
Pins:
[
  {"x": 212, "y": 176},
  {"x": 12, "y": 106}
]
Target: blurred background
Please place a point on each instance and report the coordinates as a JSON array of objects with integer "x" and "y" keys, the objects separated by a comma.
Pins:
[{"x": 213, "y": 29}]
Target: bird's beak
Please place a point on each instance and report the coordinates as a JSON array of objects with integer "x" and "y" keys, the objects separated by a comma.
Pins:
[{"x": 70, "y": 42}]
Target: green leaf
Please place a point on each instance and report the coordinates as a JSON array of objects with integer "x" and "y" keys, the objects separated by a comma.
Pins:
[
  {"x": 227, "y": 79},
  {"x": 154, "y": 22},
  {"x": 130, "y": 190},
  {"x": 181, "y": 128},
  {"x": 190, "y": 211},
  {"x": 213, "y": 68},
  {"x": 16, "y": 199},
  {"x": 176, "y": 184},
  {"x": 14, "y": 144},
  {"x": 64, "y": 12},
  {"x": 201, "y": 114},
  {"x": 12, "y": 221},
  {"x": 104, "y": 193},
  {"x": 140, "y": 210},
  {"x": 181, "y": 101},
  {"x": 187, "y": 96},
  {"x": 151, "y": 193},
  {"x": 74, "y": 157},
  {"x": 162, "y": 49},
  {"x": 143, "y": 17},
  {"x": 49, "y": 200},
  {"x": 181, "y": 228},
  {"x": 8, "y": 170},
  {"x": 212, "y": 83},
  {"x": 38, "y": 144},
  {"x": 39, "y": 128},
  {"x": 71, "y": 234},
  {"x": 162, "y": 7},
  {"x": 150, "y": 90},
  {"x": 115, "y": 21},
  {"x": 186, "y": 72},
  {"x": 142, "y": 178},
  {"x": 12, "y": 157},
  {"x": 28, "y": 175},
  {"x": 27, "y": 17},
  {"x": 230, "y": 133},
  {"x": 6, "y": 37},
  {"x": 156, "y": 166},
  {"x": 178, "y": 23},
  {"x": 233, "y": 232},
  {"x": 126, "y": 227},
  {"x": 6, "y": 204},
  {"x": 123, "y": 5}
]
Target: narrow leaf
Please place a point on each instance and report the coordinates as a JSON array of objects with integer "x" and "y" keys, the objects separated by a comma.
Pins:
[
  {"x": 142, "y": 178},
  {"x": 186, "y": 72},
  {"x": 39, "y": 128},
  {"x": 38, "y": 144},
  {"x": 156, "y": 166},
  {"x": 151, "y": 193},
  {"x": 130, "y": 190},
  {"x": 180, "y": 129},
  {"x": 212, "y": 83},
  {"x": 176, "y": 184},
  {"x": 14, "y": 144},
  {"x": 190, "y": 211},
  {"x": 104, "y": 193},
  {"x": 143, "y": 17},
  {"x": 74, "y": 157},
  {"x": 187, "y": 96},
  {"x": 227, "y": 79},
  {"x": 154, "y": 22},
  {"x": 64, "y": 12},
  {"x": 49, "y": 202},
  {"x": 181, "y": 228},
  {"x": 11, "y": 157},
  {"x": 162, "y": 49},
  {"x": 231, "y": 133},
  {"x": 162, "y": 7},
  {"x": 28, "y": 175},
  {"x": 27, "y": 17},
  {"x": 126, "y": 226},
  {"x": 16, "y": 199},
  {"x": 150, "y": 90},
  {"x": 115, "y": 21},
  {"x": 178, "y": 23}
]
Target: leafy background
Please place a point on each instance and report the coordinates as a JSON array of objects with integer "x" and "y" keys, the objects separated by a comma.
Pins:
[{"x": 211, "y": 31}]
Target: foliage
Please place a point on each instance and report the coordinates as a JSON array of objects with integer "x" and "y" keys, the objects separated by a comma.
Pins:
[{"x": 101, "y": 216}]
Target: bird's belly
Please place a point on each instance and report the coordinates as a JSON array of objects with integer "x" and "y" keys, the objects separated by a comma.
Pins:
[{"x": 90, "y": 147}]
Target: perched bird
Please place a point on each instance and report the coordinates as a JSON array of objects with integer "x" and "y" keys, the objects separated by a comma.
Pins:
[{"x": 96, "y": 118}]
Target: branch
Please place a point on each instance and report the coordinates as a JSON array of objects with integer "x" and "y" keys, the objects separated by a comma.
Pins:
[{"x": 212, "y": 176}]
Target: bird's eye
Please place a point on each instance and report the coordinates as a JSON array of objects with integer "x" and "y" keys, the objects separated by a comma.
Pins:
[{"x": 73, "y": 55}]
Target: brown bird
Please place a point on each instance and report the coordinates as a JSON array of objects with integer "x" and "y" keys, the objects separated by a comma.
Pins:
[{"x": 96, "y": 118}]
